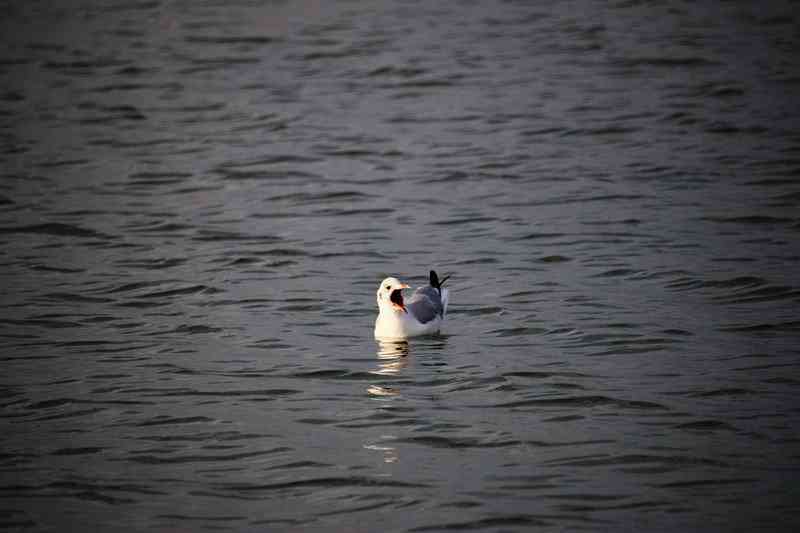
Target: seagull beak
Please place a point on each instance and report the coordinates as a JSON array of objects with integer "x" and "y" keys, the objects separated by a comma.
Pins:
[
  {"x": 396, "y": 297},
  {"x": 404, "y": 286}
]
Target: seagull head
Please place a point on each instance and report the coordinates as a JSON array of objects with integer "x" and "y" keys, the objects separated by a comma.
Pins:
[{"x": 390, "y": 295}]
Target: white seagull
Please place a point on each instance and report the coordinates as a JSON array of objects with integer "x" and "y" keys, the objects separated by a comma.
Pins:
[{"x": 422, "y": 315}]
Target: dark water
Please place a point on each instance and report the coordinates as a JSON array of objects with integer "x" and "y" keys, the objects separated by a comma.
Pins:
[{"x": 198, "y": 200}]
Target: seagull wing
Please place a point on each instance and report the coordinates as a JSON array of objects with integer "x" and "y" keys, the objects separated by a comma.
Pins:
[{"x": 425, "y": 304}]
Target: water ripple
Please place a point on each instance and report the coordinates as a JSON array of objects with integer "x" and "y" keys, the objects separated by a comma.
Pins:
[{"x": 198, "y": 202}]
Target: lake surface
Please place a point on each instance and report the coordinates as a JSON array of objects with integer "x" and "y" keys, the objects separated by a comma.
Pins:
[{"x": 199, "y": 199}]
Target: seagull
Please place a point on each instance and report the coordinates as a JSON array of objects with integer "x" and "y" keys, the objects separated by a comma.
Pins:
[{"x": 422, "y": 315}]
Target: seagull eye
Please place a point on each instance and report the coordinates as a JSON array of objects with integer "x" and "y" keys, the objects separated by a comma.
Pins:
[{"x": 388, "y": 287}]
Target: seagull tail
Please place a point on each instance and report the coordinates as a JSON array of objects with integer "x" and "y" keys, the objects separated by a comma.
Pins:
[{"x": 436, "y": 283}]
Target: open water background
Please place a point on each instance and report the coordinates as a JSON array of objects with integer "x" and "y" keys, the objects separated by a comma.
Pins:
[{"x": 199, "y": 199}]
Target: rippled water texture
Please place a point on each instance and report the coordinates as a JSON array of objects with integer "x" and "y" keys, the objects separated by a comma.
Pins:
[{"x": 199, "y": 199}]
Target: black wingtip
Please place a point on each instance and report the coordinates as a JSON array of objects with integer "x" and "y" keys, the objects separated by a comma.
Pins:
[{"x": 435, "y": 282}]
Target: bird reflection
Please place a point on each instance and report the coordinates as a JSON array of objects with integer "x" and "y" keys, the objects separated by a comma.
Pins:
[
  {"x": 390, "y": 454},
  {"x": 392, "y": 349},
  {"x": 392, "y": 356},
  {"x": 377, "y": 390}
]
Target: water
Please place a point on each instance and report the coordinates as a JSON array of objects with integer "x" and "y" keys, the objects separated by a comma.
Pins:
[{"x": 199, "y": 199}]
